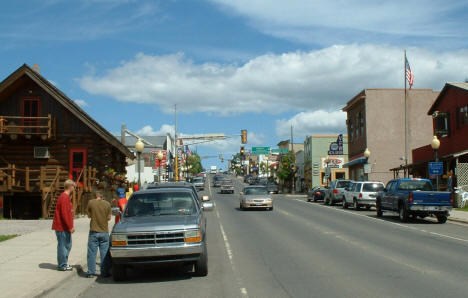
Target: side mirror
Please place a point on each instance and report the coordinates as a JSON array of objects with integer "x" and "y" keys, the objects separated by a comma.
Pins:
[
  {"x": 208, "y": 206},
  {"x": 205, "y": 198},
  {"x": 116, "y": 211}
]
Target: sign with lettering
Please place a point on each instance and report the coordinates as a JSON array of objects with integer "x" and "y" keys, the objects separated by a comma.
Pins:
[
  {"x": 335, "y": 162},
  {"x": 336, "y": 148}
]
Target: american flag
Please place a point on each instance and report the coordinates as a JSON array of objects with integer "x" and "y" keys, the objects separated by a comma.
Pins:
[{"x": 409, "y": 74}]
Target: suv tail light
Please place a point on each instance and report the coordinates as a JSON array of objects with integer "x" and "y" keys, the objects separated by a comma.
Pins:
[
  {"x": 410, "y": 197},
  {"x": 335, "y": 191},
  {"x": 360, "y": 195}
]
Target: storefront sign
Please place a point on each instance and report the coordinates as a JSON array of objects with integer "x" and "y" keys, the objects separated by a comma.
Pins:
[
  {"x": 336, "y": 148},
  {"x": 333, "y": 162}
]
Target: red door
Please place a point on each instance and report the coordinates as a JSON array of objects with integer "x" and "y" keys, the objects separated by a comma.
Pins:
[{"x": 77, "y": 163}]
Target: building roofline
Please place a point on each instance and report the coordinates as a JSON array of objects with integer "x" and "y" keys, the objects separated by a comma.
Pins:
[{"x": 437, "y": 101}]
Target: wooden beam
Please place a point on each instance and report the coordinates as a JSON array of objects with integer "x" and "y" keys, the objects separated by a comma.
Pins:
[
  {"x": 9, "y": 182},
  {"x": 41, "y": 178},
  {"x": 44, "y": 205},
  {"x": 49, "y": 126},
  {"x": 85, "y": 179}
]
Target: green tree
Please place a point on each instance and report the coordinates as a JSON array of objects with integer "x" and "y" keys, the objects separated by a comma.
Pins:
[
  {"x": 194, "y": 164},
  {"x": 284, "y": 171}
]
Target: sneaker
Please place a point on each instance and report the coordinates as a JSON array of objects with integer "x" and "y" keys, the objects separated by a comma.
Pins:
[
  {"x": 66, "y": 268},
  {"x": 90, "y": 275}
]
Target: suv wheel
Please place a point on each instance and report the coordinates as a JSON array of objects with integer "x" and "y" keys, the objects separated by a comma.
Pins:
[
  {"x": 201, "y": 266},
  {"x": 356, "y": 205},
  {"x": 119, "y": 272},
  {"x": 442, "y": 218},
  {"x": 345, "y": 205}
]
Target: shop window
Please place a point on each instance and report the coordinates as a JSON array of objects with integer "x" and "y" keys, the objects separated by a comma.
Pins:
[
  {"x": 356, "y": 128},
  {"x": 361, "y": 123},
  {"x": 351, "y": 129},
  {"x": 462, "y": 116},
  {"x": 441, "y": 123}
]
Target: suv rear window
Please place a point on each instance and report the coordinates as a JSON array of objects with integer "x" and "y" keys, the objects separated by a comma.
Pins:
[
  {"x": 372, "y": 187},
  {"x": 342, "y": 184}
]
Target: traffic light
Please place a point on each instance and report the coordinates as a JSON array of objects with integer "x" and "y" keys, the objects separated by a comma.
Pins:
[
  {"x": 242, "y": 150},
  {"x": 244, "y": 136}
]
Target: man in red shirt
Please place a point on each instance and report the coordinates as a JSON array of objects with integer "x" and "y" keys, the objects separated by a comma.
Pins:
[{"x": 63, "y": 226}]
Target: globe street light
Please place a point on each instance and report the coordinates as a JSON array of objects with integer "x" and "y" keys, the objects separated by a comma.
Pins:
[
  {"x": 435, "y": 144},
  {"x": 139, "y": 146},
  {"x": 160, "y": 157},
  {"x": 367, "y": 155}
]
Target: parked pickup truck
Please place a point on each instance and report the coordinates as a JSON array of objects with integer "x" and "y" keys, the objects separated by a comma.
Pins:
[{"x": 414, "y": 197}]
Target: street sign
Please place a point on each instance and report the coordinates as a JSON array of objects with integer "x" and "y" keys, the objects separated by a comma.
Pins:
[
  {"x": 436, "y": 168},
  {"x": 281, "y": 151},
  {"x": 260, "y": 150}
]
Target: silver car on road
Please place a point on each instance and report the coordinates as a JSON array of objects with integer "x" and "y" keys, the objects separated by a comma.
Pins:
[{"x": 256, "y": 196}]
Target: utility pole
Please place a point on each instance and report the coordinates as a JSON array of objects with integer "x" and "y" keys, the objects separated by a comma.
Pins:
[
  {"x": 406, "y": 119},
  {"x": 176, "y": 164}
]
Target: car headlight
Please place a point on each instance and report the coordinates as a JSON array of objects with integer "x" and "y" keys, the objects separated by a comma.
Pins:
[
  {"x": 119, "y": 240},
  {"x": 192, "y": 236},
  {"x": 268, "y": 199}
]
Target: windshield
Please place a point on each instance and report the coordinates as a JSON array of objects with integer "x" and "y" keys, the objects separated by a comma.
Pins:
[
  {"x": 198, "y": 179},
  {"x": 256, "y": 191},
  {"x": 415, "y": 185},
  {"x": 372, "y": 187},
  {"x": 161, "y": 203},
  {"x": 226, "y": 181}
]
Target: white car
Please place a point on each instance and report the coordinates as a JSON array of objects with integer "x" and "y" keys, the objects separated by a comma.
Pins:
[{"x": 362, "y": 194}]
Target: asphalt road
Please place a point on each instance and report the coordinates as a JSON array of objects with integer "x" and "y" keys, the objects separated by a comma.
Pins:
[{"x": 303, "y": 249}]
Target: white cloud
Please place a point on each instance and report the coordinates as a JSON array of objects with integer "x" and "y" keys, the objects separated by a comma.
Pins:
[
  {"x": 149, "y": 131},
  {"x": 320, "y": 79},
  {"x": 312, "y": 122},
  {"x": 80, "y": 102},
  {"x": 370, "y": 18}
]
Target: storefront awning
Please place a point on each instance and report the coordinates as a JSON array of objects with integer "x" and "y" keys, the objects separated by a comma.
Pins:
[{"x": 355, "y": 162}]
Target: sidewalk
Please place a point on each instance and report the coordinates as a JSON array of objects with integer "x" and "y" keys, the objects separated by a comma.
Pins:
[
  {"x": 28, "y": 263},
  {"x": 458, "y": 216}
]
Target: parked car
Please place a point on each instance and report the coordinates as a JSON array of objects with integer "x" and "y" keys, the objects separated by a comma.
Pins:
[
  {"x": 255, "y": 197},
  {"x": 316, "y": 194},
  {"x": 161, "y": 225},
  {"x": 414, "y": 197},
  {"x": 362, "y": 194},
  {"x": 347, "y": 192},
  {"x": 272, "y": 187},
  {"x": 227, "y": 186},
  {"x": 335, "y": 191},
  {"x": 199, "y": 183}
]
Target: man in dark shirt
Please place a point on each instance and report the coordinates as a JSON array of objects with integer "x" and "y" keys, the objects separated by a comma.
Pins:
[
  {"x": 63, "y": 226},
  {"x": 99, "y": 211}
]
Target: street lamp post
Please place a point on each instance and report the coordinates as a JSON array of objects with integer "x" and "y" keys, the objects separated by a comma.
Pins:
[
  {"x": 435, "y": 144},
  {"x": 139, "y": 146},
  {"x": 367, "y": 154},
  {"x": 160, "y": 157},
  {"x": 327, "y": 170}
]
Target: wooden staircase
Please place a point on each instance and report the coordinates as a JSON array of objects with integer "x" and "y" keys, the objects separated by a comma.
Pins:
[{"x": 53, "y": 201}]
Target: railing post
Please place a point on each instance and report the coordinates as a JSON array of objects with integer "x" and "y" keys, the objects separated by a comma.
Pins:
[
  {"x": 9, "y": 177},
  {"x": 85, "y": 178},
  {"x": 44, "y": 205},
  {"x": 27, "y": 179},
  {"x": 57, "y": 184},
  {"x": 13, "y": 175},
  {"x": 41, "y": 178},
  {"x": 49, "y": 126}
]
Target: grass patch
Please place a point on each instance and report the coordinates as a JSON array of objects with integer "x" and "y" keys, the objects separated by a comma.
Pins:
[
  {"x": 6, "y": 237},
  {"x": 462, "y": 209}
]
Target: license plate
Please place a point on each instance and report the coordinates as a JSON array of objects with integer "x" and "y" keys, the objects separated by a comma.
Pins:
[{"x": 258, "y": 204}]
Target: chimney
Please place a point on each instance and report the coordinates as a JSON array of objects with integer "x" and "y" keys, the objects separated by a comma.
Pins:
[{"x": 36, "y": 68}]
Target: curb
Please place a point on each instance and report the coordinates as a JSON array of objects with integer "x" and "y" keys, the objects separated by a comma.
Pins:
[{"x": 458, "y": 220}]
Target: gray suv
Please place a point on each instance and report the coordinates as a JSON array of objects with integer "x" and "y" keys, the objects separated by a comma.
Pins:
[
  {"x": 335, "y": 192},
  {"x": 161, "y": 225}
]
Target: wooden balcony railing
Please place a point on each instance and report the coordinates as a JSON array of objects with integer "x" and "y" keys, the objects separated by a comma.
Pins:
[{"x": 28, "y": 126}]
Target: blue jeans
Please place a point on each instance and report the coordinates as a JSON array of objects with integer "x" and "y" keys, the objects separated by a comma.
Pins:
[
  {"x": 98, "y": 240},
  {"x": 64, "y": 245}
]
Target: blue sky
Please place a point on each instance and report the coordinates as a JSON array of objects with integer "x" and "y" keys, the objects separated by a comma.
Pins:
[{"x": 230, "y": 65}]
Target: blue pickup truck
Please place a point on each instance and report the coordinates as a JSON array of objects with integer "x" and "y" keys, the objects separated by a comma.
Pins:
[{"x": 414, "y": 197}]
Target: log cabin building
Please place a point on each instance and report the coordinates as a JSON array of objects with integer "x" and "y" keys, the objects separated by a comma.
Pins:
[{"x": 46, "y": 138}]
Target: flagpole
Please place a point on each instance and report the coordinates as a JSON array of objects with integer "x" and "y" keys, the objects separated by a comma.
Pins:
[{"x": 406, "y": 118}]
